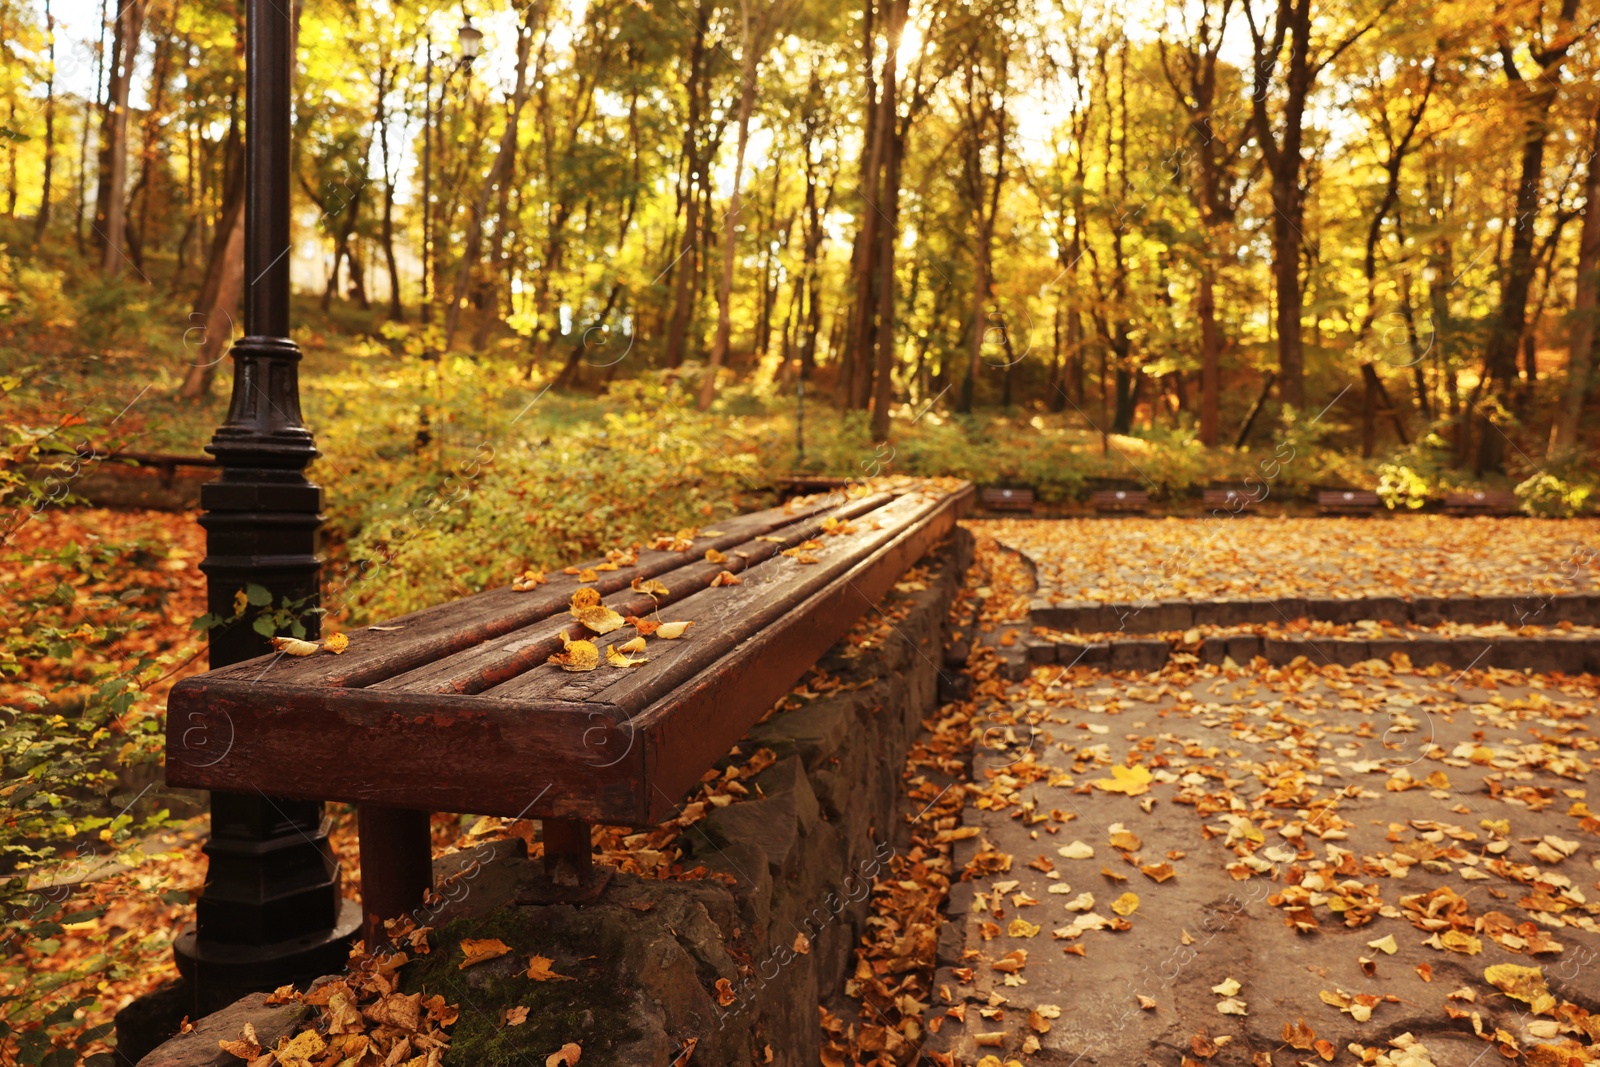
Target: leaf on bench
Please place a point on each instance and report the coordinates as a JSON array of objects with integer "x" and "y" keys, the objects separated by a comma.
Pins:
[
  {"x": 576, "y": 656},
  {"x": 615, "y": 658},
  {"x": 673, "y": 630},
  {"x": 727, "y": 578},
  {"x": 293, "y": 646}
]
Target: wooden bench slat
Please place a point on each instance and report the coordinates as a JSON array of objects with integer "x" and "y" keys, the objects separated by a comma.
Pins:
[
  {"x": 722, "y": 616},
  {"x": 483, "y": 666},
  {"x": 446, "y": 629}
]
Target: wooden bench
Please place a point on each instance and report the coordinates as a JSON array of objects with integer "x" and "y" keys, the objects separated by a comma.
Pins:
[
  {"x": 456, "y": 708},
  {"x": 995, "y": 498},
  {"x": 1347, "y": 502},
  {"x": 1482, "y": 502},
  {"x": 1130, "y": 501},
  {"x": 1231, "y": 500}
]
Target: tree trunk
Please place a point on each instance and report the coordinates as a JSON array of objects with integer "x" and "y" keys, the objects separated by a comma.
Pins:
[
  {"x": 42, "y": 220},
  {"x": 889, "y": 238},
  {"x": 499, "y": 172},
  {"x": 219, "y": 302},
  {"x": 1585, "y": 304},
  {"x": 684, "y": 281},
  {"x": 111, "y": 208},
  {"x": 730, "y": 221},
  {"x": 396, "y": 310},
  {"x": 1210, "y": 355}
]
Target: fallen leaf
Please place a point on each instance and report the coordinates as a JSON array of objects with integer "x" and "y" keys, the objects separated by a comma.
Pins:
[
  {"x": 577, "y": 656},
  {"x": 513, "y": 1016},
  {"x": 336, "y": 643},
  {"x": 1385, "y": 944},
  {"x": 566, "y": 1056},
  {"x": 727, "y": 578},
  {"x": 479, "y": 950},
  {"x": 615, "y": 658},
  {"x": 1128, "y": 780},
  {"x": 649, "y": 586},
  {"x": 293, "y": 646},
  {"x": 1126, "y": 904},
  {"x": 671, "y": 631},
  {"x": 539, "y": 970}
]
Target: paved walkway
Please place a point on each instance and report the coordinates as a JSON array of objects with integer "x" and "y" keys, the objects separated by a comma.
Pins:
[{"x": 1279, "y": 865}]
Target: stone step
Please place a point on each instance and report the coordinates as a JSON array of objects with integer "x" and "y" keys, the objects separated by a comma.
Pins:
[
  {"x": 1569, "y": 655},
  {"x": 1157, "y": 616}
]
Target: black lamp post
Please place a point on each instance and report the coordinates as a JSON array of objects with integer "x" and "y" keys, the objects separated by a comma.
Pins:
[{"x": 271, "y": 911}]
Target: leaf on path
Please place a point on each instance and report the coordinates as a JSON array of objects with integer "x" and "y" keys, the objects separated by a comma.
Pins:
[
  {"x": 1522, "y": 983},
  {"x": 1129, "y": 780},
  {"x": 1126, "y": 904}
]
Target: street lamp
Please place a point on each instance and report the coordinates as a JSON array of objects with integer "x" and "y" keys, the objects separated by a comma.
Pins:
[{"x": 470, "y": 38}]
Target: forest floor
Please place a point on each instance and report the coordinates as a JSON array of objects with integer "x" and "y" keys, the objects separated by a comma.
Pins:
[{"x": 1254, "y": 865}]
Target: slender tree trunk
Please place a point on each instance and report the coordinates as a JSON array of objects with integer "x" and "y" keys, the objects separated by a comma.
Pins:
[
  {"x": 889, "y": 238},
  {"x": 499, "y": 172},
  {"x": 111, "y": 210},
  {"x": 730, "y": 221},
  {"x": 1585, "y": 305},
  {"x": 396, "y": 310},
  {"x": 42, "y": 220},
  {"x": 1210, "y": 355}
]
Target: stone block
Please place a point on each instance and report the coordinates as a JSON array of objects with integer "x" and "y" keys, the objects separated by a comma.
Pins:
[
  {"x": 1213, "y": 650},
  {"x": 1244, "y": 648},
  {"x": 1136, "y": 655},
  {"x": 1341, "y": 652},
  {"x": 198, "y": 1048}
]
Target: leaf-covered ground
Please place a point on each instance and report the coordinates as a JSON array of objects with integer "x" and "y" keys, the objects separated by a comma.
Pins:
[
  {"x": 1254, "y": 865},
  {"x": 1249, "y": 556}
]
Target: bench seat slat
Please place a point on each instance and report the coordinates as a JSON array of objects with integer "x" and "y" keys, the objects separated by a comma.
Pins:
[
  {"x": 495, "y": 661},
  {"x": 723, "y": 617},
  {"x": 446, "y": 629}
]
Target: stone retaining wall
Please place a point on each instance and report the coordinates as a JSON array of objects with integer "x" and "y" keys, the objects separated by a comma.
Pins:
[{"x": 737, "y": 965}]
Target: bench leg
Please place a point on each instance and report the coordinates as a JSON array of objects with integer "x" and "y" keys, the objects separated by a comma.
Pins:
[
  {"x": 396, "y": 865},
  {"x": 568, "y": 855}
]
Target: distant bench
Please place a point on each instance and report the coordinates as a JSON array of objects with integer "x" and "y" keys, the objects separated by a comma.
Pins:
[
  {"x": 455, "y": 708},
  {"x": 998, "y": 498},
  {"x": 1482, "y": 502},
  {"x": 1125, "y": 501},
  {"x": 1347, "y": 502}
]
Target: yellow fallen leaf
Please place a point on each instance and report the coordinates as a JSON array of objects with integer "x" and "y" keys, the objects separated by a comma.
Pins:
[
  {"x": 1076, "y": 851},
  {"x": 1126, "y": 904},
  {"x": 336, "y": 644},
  {"x": 585, "y": 598},
  {"x": 599, "y": 618},
  {"x": 248, "y": 1047},
  {"x": 1022, "y": 928},
  {"x": 672, "y": 630},
  {"x": 293, "y": 646},
  {"x": 616, "y": 659},
  {"x": 577, "y": 656},
  {"x": 1385, "y": 944},
  {"x": 539, "y": 970},
  {"x": 635, "y": 645},
  {"x": 1159, "y": 872},
  {"x": 1457, "y": 941},
  {"x": 478, "y": 950},
  {"x": 649, "y": 586},
  {"x": 514, "y": 1016},
  {"x": 1522, "y": 983},
  {"x": 1226, "y": 988},
  {"x": 713, "y": 556},
  {"x": 727, "y": 578},
  {"x": 1128, "y": 780}
]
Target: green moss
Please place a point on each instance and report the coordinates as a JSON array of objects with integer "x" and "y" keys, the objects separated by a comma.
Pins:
[{"x": 591, "y": 1008}]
